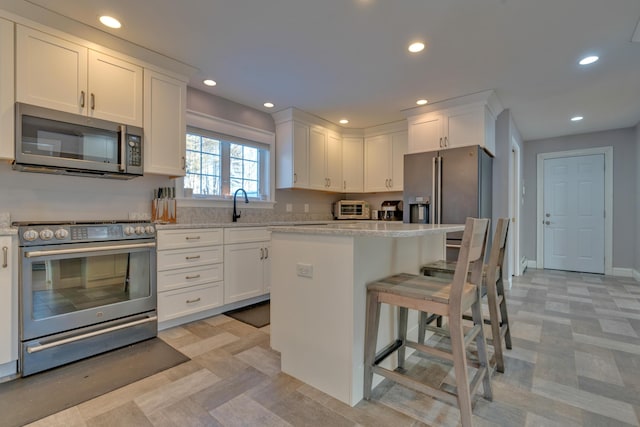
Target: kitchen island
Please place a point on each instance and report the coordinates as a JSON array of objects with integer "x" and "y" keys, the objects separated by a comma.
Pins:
[{"x": 319, "y": 275}]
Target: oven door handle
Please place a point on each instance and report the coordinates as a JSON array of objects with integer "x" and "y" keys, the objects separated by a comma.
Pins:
[
  {"x": 42, "y": 347},
  {"x": 84, "y": 250}
]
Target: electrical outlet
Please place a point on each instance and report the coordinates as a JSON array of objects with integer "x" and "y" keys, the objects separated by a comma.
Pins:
[
  {"x": 304, "y": 270},
  {"x": 289, "y": 207},
  {"x": 306, "y": 208}
]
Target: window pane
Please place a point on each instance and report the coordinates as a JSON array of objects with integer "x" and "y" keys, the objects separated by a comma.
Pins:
[
  {"x": 250, "y": 153},
  {"x": 251, "y": 187},
  {"x": 210, "y": 146},
  {"x": 193, "y": 142},
  {"x": 236, "y": 168},
  {"x": 191, "y": 180},
  {"x": 210, "y": 164},
  {"x": 234, "y": 184},
  {"x": 193, "y": 162},
  {"x": 250, "y": 170},
  {"x": 210, "y": 185},
  {"x": 236, "y": 150}
]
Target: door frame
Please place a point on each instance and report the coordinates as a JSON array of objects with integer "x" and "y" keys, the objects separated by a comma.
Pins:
[
  {"x": 608, "y": 201},
  {"x": 516, "y": 200}
]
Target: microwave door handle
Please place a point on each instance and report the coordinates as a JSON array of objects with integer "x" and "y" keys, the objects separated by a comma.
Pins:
[{"x": 123, "y": 146}]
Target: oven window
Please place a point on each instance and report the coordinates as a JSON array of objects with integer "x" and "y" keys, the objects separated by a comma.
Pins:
[{"x": 67, "y": 285}]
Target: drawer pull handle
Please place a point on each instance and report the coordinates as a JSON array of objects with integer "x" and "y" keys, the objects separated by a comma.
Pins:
[
  {"x": 197, "y": 276},
  {"x": 5, "y": 257},
  {"x": 192, "y": 257},
  {"x": 192, "y": 237},
  {"x": 191, "y": 301},
  {"x": 266, "y": 253}
]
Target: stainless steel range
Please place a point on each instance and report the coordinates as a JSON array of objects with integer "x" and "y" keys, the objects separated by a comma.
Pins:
[{"x": 85, "y": 288}]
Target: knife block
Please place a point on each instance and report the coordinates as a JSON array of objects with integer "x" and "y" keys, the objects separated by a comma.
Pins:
[{"x": 163, "y": 211}]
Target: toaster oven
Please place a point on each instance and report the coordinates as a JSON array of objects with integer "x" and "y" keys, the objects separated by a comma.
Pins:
[{"x": 351, "y": 209}]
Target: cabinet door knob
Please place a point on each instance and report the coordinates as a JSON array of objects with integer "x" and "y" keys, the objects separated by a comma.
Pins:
[
  {"x": 390, "y": 183},
  {"x": 261, "y": 253},
  {"x": 446, "y": 141},
  {"x": 5, "y": 257},
  {"x": 440, "y": 142},
  {"x": 93, "y": 101},
  {"x": 295, "y": 177},
  {"x": 82, "y": 99},
  {"x": 266, "y": 253}
]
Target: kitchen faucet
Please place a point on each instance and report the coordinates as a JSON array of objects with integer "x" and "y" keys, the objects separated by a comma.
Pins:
[{"x": 246, "y": 200}]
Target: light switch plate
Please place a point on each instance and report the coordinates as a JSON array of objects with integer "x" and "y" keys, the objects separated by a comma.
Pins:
[{"x": 304, "y": 270}]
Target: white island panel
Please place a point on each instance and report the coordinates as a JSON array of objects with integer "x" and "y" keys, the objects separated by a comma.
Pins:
[{"x": 318, "y": 322}]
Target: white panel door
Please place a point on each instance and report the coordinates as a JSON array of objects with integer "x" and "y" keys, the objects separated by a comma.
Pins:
[{"x": 574, "y": 213}]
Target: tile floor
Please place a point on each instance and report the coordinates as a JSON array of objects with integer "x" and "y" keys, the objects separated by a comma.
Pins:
[{"x": 575, "y": 362}]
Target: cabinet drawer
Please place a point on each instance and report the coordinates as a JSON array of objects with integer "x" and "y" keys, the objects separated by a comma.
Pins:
[
  {"x": 179, "y": 258},
  {"x": 192, "y": 238},
  {"x": 189, "y": 276},
  {"x": 185, "y": 301},
  {"x": 246, "y": 234}
]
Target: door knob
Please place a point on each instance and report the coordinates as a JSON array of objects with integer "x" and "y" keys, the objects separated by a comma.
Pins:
[
  {"x": 548, "y": 215},
  {"x": 547, "y": 222}
]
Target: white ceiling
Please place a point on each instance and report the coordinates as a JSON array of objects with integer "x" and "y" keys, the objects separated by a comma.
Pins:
[{"x": 348, "y": 58}]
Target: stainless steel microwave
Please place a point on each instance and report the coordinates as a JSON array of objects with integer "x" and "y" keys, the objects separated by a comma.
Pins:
[
  {"x": 50, "y": 141},
  {"x": 351, "y": 209}
]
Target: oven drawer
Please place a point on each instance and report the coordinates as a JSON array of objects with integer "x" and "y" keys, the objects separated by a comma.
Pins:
[
  {"x": 182, "y": 302},
  {"x": 179, "y": 258},
  {"x": 189, "y": 276},
  {"x": 189, "y": 238}
]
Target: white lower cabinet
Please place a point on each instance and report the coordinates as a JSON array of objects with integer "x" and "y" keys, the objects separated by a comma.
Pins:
[
  {"x": 246, "y": 263},
  {"x": 8, "y": 307},
  {"x": 190, "y": 271}
]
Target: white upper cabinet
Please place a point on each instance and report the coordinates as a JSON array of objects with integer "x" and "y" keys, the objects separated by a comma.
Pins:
[
  {"x": 352, "y": 164},
  {"x": 7, "y": 118},
  {"x": 165, "y": 101},
  {"x": 464, "y": 121},
  {"x": 384, "y": 161},
  {"x": 308, "y": 155},
  {"x": 55, "y": 73}
]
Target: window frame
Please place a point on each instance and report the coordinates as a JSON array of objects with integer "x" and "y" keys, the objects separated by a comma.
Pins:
[{"x": 236, "y": 133}]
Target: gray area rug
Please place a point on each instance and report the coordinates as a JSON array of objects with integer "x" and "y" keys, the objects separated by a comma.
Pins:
[
  {"x": 25, "y": 400},
  {"x": 257, "y": 315}
]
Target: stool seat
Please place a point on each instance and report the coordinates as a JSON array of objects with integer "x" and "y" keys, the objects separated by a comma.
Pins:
[{"x": 420, "y": 288}]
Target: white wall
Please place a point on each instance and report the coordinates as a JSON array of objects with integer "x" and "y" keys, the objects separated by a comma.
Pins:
[
  {"x": 42, "y": 197},
  {"x": 637, "y": 260}
]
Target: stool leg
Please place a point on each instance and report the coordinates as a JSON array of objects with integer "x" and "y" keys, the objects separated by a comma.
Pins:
[
  {"x": 492, "y": 300},
  {"x": 370, "y": 340},
  {"x": 422, "y": 323},
  {"x": 460, "y": 369},
  {"x": 481, "y": 344},
  {"x": 403, "y": 315},
  {"x": 503, "y": 313}
]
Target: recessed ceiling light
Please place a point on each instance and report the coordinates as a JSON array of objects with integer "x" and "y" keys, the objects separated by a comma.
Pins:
[
  {"x": 416, "y": 47},
  {"x": 576, "y": 118},
  {"x": 110, "y": 21},
  {"x": 588, "y": 60},
  {"x": 421, "y": 101},
  {"x": 210, "y": 82},
  {"x": 344, "y": 121},
  {"x": 268, "y": 104}
]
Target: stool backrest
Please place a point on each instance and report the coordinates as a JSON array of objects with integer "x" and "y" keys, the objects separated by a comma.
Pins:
[
  {"x": 474, "y": 243},
  {"x": 496, "y": 256}
]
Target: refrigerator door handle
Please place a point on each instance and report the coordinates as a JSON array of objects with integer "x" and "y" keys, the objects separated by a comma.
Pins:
[
  {"x": 439, "y": 190},
  {"x": 433, "y": 191}
]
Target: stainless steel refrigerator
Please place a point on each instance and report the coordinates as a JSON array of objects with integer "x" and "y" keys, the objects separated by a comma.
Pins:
[{"x": 446, "y": 187}]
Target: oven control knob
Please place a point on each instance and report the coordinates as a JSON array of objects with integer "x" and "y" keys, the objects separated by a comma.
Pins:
[
  {"x": 46, "y": 234},
  {"x": 149, "y": 229},
  {"x": 129, "y": 230},
  {"x": 61, "y": 233},
  {"x": 30, "y": 235},
  {"x": 139, "y": 229}
]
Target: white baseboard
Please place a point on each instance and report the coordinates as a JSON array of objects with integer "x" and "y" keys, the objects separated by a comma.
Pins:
[
  {"x": 531, "y": 263},
  {"x": 636, "y": 275},
  {"x": 622, "y": 272}
]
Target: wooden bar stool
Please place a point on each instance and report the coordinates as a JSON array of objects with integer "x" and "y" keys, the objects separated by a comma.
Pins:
[
  {"x": 407, "y": 291},
  {"x": 492, "y": 287}
]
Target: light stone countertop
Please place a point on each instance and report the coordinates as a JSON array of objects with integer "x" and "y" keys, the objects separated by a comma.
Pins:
[
  {"x": 370, "y": 228},
  {"x": 8, "y": 231},
  {"x": 240, "y": 224}
]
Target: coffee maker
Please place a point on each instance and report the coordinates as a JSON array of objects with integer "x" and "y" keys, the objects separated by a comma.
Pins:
[{"x": 391, "y": 210}]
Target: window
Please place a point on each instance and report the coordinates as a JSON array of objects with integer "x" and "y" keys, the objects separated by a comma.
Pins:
[{"x": 218, "y": 165}]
